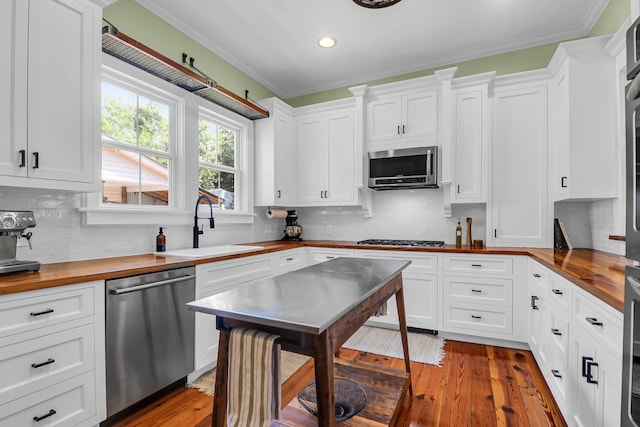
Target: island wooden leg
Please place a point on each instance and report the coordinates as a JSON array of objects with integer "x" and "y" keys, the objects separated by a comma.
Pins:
[
  {"x": 403, "y": 334},
  {"x": 219, "y": 416},
  {"x": 323, "y": 360}
]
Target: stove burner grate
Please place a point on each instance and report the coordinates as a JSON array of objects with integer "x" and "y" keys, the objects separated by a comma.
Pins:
[{"x": 409, "y": 243}]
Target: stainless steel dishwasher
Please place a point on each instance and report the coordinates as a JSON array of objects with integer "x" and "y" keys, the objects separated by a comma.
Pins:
[{"x": 149, "y": 334}]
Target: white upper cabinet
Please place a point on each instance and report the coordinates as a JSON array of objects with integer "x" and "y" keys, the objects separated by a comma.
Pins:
[
  {"x": 401, "y": 115},
  {"x": 470, "y": 138},
  {"x": 51, "y": 118},
  {"x": 518, "y": 214},
  {"x": 327, "y": 155},
  {"x": 275, "y": 156},
  {"x": 582, "y": 146}
]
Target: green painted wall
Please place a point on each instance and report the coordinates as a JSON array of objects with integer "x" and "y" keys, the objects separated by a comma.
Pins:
[
  {"x": 137, "y": 22},
  {"x": 614, "y": 15}
]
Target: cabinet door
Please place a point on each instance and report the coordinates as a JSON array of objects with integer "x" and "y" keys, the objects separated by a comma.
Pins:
[
  {"x": 13, "y": 85},
  {"x": 420, "y": 300},
  {"x": 312, "y": 160},
  {"x": 538, "y": 332},
  {"x": 419, "y": 115},
  {"x": 340, "y": 140},
  {"x": 384, "y": 119},
  {"x": 285, "y": 162},
  {"x": 596, "y": 381},
  {"x": 467, "y": 146},
  {"x": 560, "y": 159},
  {"x": 63, "y": 81},
  {"x": 520, "y": 214}
]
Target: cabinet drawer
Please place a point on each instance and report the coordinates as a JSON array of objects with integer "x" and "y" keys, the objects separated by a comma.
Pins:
[
  {"x": 420, "y": 263},
  {"x": 323, "y": 255},
  {"x": 560, "y": 291},
  {"x": 70, "y": 403},
  {"x": 485, "y": 318},
  {"x": 227, "y": 273},
  {"x": 288, "y": 261},
  {"x": 538, "y": 274},
  {"x": 559, "y": 332},
  {"x": 478, "y": 264},
  {"x": 38, "y": 309},
  {"x": 478, "y": 290},
  {"x": 602, "y": 324},
  {"x": 61, "y": 355}
]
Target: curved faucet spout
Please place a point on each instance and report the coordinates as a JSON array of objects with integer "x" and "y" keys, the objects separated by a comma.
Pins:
[{"x": 197, "y": 231}]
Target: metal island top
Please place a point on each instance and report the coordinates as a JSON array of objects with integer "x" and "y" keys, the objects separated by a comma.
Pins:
[
  {"x": 315, "y": 310},
  {"x": 306, "y": 300}
]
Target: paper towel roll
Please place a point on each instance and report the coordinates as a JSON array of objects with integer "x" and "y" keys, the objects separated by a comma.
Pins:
[{"x": 276, "y": 213}]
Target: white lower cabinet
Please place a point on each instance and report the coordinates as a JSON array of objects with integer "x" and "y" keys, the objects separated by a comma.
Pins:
[
  {"x": 212, "y": 279},
  {"x": 52, "y": 356},
  {"x": 576, "y": 340},
  {"x": 480, "y": 297},
  {"x": 420, "y": 290}
]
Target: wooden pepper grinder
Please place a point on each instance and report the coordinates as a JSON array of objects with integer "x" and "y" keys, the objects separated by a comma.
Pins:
[{"x": 469, "y": 239}]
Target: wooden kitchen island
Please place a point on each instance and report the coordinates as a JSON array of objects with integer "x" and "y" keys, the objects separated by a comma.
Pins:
[{"x": 315, "y": 310}]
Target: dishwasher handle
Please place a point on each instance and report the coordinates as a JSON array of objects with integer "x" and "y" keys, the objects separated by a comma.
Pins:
[{"x": 151, "y": 285}]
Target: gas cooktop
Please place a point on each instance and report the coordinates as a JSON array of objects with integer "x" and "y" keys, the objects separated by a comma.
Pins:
[{"x": 410, "y": 243}]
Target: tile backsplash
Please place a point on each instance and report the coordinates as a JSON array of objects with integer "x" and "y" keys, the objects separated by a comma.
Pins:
[{"x": 60, "y": 234}]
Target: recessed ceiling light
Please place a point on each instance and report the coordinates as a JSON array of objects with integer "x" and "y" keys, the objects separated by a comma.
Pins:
[{"x": 326, "y": 42}]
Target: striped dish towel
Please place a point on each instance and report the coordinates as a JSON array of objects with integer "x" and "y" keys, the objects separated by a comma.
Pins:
[{"x": 254, "y": 391}]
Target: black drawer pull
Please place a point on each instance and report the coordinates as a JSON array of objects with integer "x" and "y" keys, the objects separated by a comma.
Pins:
[
  {"x": 536, "y": 275},
  {"x": 289, "y": 259},
  {"x": 476, "y": 290},
  {"x": 587, "y": 364},
  {"x": 473, "y": 316},
  {"x": 23, "y": 160},
  {"x": 594, "y": 321},
  {"x": 556, "y": 332},
  {"x": 534, "y": 299},
  {"x": 39, "y": 365},
  {"x": 556, "y": 291},
  {"x": 476, "y": 265},
  {"x": 38, "y": 419},
  {"x": 40, "y": 313},
  {"x": 330, "y": 257},
  {"x": 36, "y": 160},
  {"x": 556, "y": 373}
]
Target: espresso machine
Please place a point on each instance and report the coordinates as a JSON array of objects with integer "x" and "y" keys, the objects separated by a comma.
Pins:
[
  {"x": 292, "y": 230},
  {"x": 13, "y": 225}
]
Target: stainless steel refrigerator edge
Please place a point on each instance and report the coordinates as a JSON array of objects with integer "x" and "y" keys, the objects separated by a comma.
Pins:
[
  {"x": 149, "y": 334},
  {"x": 630, "y": 407}
]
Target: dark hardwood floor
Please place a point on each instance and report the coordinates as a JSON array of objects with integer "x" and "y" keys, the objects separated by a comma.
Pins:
[{"x": 477, "y": 385}]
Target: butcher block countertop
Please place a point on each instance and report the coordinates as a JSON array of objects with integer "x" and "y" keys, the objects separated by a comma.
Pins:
[{"x": 599, "y": 273}]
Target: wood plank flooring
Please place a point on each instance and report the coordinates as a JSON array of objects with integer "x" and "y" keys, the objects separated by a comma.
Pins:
[{"x": 477, "y": 385}]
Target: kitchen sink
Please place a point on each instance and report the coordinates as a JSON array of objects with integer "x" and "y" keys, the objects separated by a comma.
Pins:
[{"x": 210, "y": 251}]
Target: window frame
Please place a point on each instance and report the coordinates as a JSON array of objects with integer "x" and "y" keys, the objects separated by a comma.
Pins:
[{"x": 185, "y": 173}]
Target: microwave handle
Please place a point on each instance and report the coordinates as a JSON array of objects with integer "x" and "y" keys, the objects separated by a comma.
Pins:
[
  {"x": 429, "y": 162},
  {"x": 634, "y": 89}
]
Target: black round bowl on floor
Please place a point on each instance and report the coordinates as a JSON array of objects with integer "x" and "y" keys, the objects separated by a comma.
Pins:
[{"x": 349, "y": 398}]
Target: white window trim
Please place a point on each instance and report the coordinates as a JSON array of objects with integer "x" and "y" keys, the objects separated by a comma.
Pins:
[{"x": 186, "y": 168}]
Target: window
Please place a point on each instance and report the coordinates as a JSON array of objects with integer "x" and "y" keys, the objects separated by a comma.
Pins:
[
  {"x": 137, "y": 146},
  {"x": 217, "y": 171},
  {"x": 163, "y": 147}
]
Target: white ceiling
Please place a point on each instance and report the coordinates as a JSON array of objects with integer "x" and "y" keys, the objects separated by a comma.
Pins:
[{"x": 274, "y": 41}]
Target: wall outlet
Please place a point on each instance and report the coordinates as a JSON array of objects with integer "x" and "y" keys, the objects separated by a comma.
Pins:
[
  {"x": 329, "y": 229},
  {"x": 268, "y": 228}
]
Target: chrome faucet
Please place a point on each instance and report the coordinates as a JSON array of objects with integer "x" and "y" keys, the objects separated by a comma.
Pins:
[{"x": 197, "y": 231}]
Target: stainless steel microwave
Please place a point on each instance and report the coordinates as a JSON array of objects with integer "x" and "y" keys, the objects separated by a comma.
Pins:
[{"x": 403, "y": 168}]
